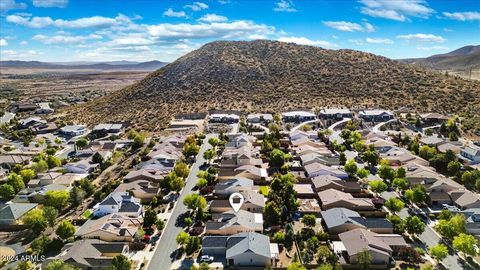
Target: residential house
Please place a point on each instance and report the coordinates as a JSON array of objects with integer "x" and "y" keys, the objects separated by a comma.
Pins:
[
  {"x": 432, "y": 141},
  {"x": 90, "y": 254},
  {"x": 150, "y": 174},
  {"x": 260, "y": 118},
  {"x": 73, "y": 130},
  {"x": 375, "y": 115},
  {"x": 298, "y": 116},
  {"x": 114, "y": 227},
  {"x": 253, "y": 202},
  {"x": 226, "y": 118},
  {"x": 325, "y": 182},
  {"x": 233, "y": 185},
  {"x": 433, "y": 118},
  {"x": 12, "y": 213},
  {"x": 465, "y": 199},
  {"x": 119, "y": 202},
  {"x": 44, "y": 108},
  {"x": 397, "y": 156},
  {"x": 107, "y": 128},
  {"x": 470, "y": 154},
  {"x": 382, "y": 247},
  {"x": 9, "y": 161},
  {"x": 339, "y": 220},
  {"x": 308, "y": 206},
  {"x": 32, "y": 122},
  {"x": 327, "y": 160},
  {"x": 85, "y": 166},
  {"x": 304, "y": 190},
  {"x": 335, "y": 114},
  {"x": 332, "y": 198},
  {"x": 317, "y": 169},
  {"x": 248, "y": 171},
  {"x": 472, "y": 217},
  {"x": 143, "y": 190},
  {"x": 230, "y": 223},
  {"x": 248, "y": 249},
  {"x": 380, "y": 145}
]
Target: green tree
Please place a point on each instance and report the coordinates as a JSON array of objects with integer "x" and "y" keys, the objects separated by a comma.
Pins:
[
  {"x": 296, "y": 266},
  {"x": 150, "y": 218},
  {"x": 350, "y": 167},
  {"x": 65, "y": 230},
  {"x": 16, "y": 181},
  {"x": 97, "y": 158},
  {"x": 377, "y": 186},
  {"x": 40, "y": 166},
  {"x": 181, "y": 169},
  {"x": 25, "y": 265},
  {"x": 342, "y": 158},
  {"x": 386, "y": 172},
  {"x": 426, "y": 152},
  {"x": 81, "y": 143},
  {"x": 213, "y": 142},
  {"x": 438, "y": 252},
  {"x": 465, "y": 243},
  {"x": 57, "y": 198},
  {"x": 182, "y": 238},
  {"x": 371, "y": 157},
  {"x": 325, "y": 266},
  {"x": 400, "y": 183},
  {"x": 51, "y": 214},
  {"x": 35, "y": 221},
  {"x": 7, "y": 191},
  {"x": 364, "y": 259},
  {"x": 309, "y": 220},
  {"x": 77, "y": 195},
  {"x": 202, "y": 182},
  {"x": 209, "y": 154},
  {"x": 414, "y": 225},
  {"x": 418, "y": 194},
  {"x": 27, "y": 174},
  {"x": 272, "y": 213},
  {"x": 40, "y": 244},
  {"x": 195, "y": 201},
  {"x": 190, "y": 149},
  {"x": 279, "y": 237},
  {"x": 160, "y": 224},
  {"x": 59, "y": 265},
  {"x": 451, "y": 227},
  {"x": 277, "y": 158},
  {"x": 394, "y": 204},
  {"x": 453, "y": 168},
  {"x": 362, "y": 173},
  {"x": 121, "y": 262},
  {"x": 53, "y": 162},
  {"x": 400, "y": 173}
]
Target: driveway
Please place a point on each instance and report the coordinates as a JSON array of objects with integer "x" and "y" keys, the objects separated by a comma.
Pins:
[{"x": 162, "y": 257}]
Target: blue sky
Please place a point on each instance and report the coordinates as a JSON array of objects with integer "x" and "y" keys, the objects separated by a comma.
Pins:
[{"x": 142, "y": 30}]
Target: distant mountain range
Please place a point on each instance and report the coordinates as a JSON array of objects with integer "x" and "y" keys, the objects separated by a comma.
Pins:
[
  {"x": 272, "y": 76},
  {"x": 462, "y": 59},
  {"x": 113, "y": 65}
]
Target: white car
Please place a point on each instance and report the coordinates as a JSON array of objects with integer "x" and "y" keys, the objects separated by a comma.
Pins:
[{"x": 206, "y": 258}]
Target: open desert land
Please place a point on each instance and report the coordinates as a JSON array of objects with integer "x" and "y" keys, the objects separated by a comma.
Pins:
[{"x": 70, "y": 85}]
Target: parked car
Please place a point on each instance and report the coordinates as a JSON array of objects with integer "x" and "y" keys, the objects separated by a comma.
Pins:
[{"x": 206, "y": 258}]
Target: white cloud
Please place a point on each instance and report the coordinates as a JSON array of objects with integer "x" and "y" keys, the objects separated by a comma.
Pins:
[
  {"x": 63, "y": 39},
  {"x": 24, "y": 42},
  {"x": 3, "y": 42},
  {"x": 6, "y": 5},
  {"x": 433, "y": 48},
  {"x": 399, "y": 10},
  {"x": 306, "y": 41},
  {"x": 379, "y": 40},
  {"x": 285, "y": 6},
  {"x": 14, "y": 55},
  {"x": 213, "y": 18},
  {"x": 170, "y": 13},
  {"x": 234, "y": 29},
  {"x": 422, "y": 38},
  {"x": 197, "y": 6},
  {"x": 350, "y": 26},
  {"x": 463, "y": 16},
  {"x": 87, "y": 22},
  {"x": 50, "y": 3}
]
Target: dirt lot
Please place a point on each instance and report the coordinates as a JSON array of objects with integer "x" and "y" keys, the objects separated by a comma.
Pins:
[{"x": 67, "y": 85}]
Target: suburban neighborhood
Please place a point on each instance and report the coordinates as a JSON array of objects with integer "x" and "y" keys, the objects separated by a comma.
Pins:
[{"x": 322, "y": 189}]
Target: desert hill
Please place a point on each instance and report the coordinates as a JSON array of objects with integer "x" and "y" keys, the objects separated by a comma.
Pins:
[
  {"x": 116, "y": 65},
  {"x": 274, "y": 76},
  {"x": 463, "y": 59}
]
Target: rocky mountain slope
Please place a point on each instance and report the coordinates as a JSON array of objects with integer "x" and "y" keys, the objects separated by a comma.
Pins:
[{"x": 271, "y": 76}]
